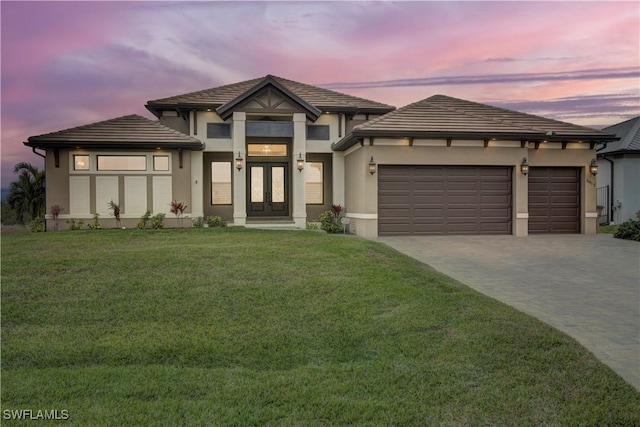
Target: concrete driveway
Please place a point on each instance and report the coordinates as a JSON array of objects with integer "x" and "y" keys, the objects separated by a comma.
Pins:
[{"x": 586, "y": 286}]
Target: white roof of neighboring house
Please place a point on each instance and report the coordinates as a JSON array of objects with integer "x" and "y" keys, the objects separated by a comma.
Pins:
[{"x": 629, "y": 134}]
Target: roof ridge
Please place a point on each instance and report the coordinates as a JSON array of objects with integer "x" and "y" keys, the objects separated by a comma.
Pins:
[
  {"x": 257, "y": 79},
  {"x": 99, "y": 122},
  {"x": 387, "y": 115}
]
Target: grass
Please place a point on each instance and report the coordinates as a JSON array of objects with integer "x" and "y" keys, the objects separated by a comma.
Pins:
[
  {"x": 244, "y": 328},
  {"x": 607, "y": 229}
]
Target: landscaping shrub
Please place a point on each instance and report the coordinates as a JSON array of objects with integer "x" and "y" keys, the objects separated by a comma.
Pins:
[
  {"x": 157, "y": 221},
  {"x": 75, "y": 224},
  {"x": 198, "y": 222},
  {"x": 177, "y": 208},
  {"x": 629, "y": 230},
  {"x": 95, "y": 224},
  {"x": 144, "y": 220},
  {"x": 115, "y": 211},
  {"x": 216, "y": 221},
  {"x": 330, "y": 220},
  {"x": 36, "y": 225}
]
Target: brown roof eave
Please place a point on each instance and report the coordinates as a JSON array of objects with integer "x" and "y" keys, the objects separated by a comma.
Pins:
[
  {"x": 197, "y": 146},
  {"x": 355, "y": 136}
]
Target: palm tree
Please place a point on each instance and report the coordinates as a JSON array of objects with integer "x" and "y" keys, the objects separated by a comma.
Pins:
[{"x": 27, "y": 194}]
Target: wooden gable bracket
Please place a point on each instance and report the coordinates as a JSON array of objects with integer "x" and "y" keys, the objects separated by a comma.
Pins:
[
  {"x": 361, "y": 140},
  {"x": 371, "y": 140},
  {"x": 564, "y": 145},
  {"x": 523, "y": 143},
  {"x": 486, "y": 143},
  {"x": 180, "y": 157},
  {"x": 449, "y": 142},
  {"x": 56, "y": 157},
  {"x": 592, "y": 145},
  {"x": 410, "y": 141},
  {"x": 340, "y": 116},
  {"x": 537, "y": 144}
]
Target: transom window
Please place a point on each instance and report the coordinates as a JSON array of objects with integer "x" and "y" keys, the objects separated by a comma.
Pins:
[
  {"x": 122, "y": 163},
  {"x": 267, "y": 150},
  {"x": 81, "y": 162},
  {"x": 160, "y": 163}
]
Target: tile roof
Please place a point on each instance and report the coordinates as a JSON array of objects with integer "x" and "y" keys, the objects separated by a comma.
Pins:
[
  {"x": 629, "y": 134},
  {"x": 122, "y": 132},
  {"x": 444, "y": 116},
  {"x": 320, "y": 98}
]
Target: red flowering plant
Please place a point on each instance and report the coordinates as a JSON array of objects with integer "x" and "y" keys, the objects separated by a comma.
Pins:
[
  {"x": 330, "y": 220},
  {"x": 115, "y": 211},
  {"x": 55, "y": 213},
  {"x": 177, "y": 208}
]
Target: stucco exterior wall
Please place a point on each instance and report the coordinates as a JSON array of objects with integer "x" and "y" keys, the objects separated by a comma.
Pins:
[
  {"x": 362, "y": 189},
  {"x": 58, "y": 181}
]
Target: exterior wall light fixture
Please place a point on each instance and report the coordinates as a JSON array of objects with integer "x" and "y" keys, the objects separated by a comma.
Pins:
[
  {"x": 239, "y": 162},
  {"x": 524, "y": 167},
  {"x": 593, "y": 167},
  {"x": 372, "y": 166},
  {"x": 300, "y": 162}
]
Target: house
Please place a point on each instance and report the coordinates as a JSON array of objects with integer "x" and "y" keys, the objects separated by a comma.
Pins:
[
  {"x": 272, "y": 150},
  {"x": 619, "y": 177}
]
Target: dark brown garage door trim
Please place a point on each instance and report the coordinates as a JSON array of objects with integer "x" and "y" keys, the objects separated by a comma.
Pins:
[{"x": 423, "y": 200}]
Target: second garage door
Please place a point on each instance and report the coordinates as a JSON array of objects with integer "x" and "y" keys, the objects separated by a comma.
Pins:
[
  {"x": 424, "y": 200},
  {"x": 554, "y": 200}
]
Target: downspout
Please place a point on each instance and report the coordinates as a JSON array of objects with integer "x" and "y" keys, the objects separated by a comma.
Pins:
[
  {"x": 36, "y": 153},
  {"x": 611, "y": 196}
]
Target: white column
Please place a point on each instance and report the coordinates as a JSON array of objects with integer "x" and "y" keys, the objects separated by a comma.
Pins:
[
  {"x": 196, "y": 184},
  {"x": 239, "y": 176},
  {"x": 298, "y": 193},
  {"x": 337, "y": 177}
]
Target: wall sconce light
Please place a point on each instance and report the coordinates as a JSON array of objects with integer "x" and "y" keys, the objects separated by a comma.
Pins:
[
  {"x": 300, "y": 162},
  {"x": 524, "y": 167},
  {"x": 239, "y": 161},
  {"x": 372, "y": 166},
  {"x": 593, "y": 167}
]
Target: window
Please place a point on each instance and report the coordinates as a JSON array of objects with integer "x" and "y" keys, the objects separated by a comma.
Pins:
[
  {"x": 122, "y": 163},
  {"x": 266, "y": 150},
  {"x": 314, "y": 183},
  {"x": 160, "y": 163},
  {"x": 218, "y": 130},
  {"x": 220, "y": 183},
  {"x": 320, "y": 132},
  {"x": 81, "y": 162}
]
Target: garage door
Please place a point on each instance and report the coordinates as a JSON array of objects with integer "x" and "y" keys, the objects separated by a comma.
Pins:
[
  {"x": 554, "y": 200},
  {"x": 444, "y": 200}
]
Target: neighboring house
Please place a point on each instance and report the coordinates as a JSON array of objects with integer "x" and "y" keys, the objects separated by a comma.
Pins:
[
  {"x": 619, "y": 177},
  {"x": 274, "y": 151}
]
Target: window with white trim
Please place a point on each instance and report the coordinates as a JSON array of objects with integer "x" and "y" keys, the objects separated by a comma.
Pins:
[
  {"x": 220, "y": 183},
  {"x": 314, "y": 183}
]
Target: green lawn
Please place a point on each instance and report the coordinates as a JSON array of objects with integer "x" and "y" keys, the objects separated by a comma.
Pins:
[
  {"x": 607, "y": 229},
  {"x": 237, "y": 327}
]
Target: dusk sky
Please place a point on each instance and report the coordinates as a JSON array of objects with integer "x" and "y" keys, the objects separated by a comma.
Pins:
[{"x": 66, "y": 64}]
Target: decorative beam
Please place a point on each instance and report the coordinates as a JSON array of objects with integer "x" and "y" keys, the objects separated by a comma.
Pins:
[
  {"x": 592, "y": 145},
  {"x": 523, "y": 142},
  {"x": 449, "y": 142},
  {"x": 56, "y": 157},
  {"x": 340, "y": 125},
  {"x": 564, "y": 145},
  {"x": 195, "y": 122},
  {"x": 410, "y": 142},
  {"x": 361, "y": 142},
  {"x": 537, "y": 144},
  {"x": 371, "y": 140},
  {"x": 486, "y": 143},
  {"x": 180, "y": 157}
]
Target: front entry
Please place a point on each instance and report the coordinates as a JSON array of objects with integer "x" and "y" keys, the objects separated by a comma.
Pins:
[{"x": 268, "y": 192}]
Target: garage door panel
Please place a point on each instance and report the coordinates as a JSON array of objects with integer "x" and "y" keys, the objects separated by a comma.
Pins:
[
  {"x": 554, "y": 200},
  {"x": 445, "y": 199}
]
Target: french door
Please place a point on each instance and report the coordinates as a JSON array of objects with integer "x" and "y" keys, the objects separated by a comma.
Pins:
[{"x": 267, "y": 189}]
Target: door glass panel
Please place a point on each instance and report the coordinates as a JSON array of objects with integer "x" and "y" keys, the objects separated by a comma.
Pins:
[
  {"x": 277, "y": 184},
  {"x": 257, "y": 184}
]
